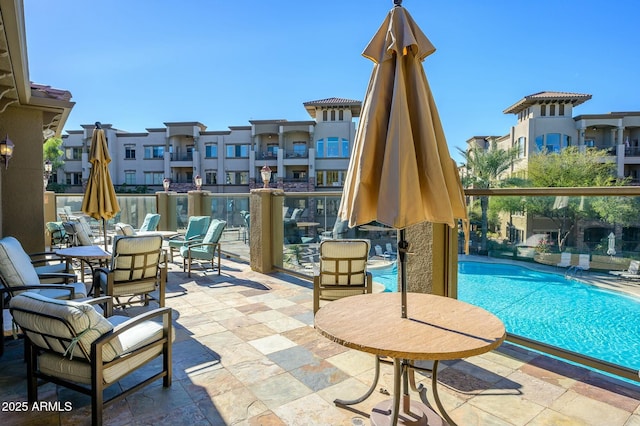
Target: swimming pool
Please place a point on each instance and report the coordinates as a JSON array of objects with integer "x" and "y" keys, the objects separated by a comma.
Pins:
[{"x": 546, "y": 307}]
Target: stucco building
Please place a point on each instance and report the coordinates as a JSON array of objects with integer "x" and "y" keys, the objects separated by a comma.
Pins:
[{"x": 303, "y": 155}]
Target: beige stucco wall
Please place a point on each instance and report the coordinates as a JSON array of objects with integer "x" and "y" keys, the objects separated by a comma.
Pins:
[{"x": 22, "y": 186}]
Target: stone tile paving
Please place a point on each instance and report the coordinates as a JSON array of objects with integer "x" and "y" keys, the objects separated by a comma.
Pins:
[{"x": 246, "y": 353}]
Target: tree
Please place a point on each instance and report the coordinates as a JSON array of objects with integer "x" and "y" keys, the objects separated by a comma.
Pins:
[
  {"x": 572, "y": 168},
  {"x": 486, "y": 167},
  {"x": 51, "y": 151}
]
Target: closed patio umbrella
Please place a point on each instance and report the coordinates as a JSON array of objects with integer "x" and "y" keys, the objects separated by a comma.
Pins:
[
  {"x": 400, "y": 172},
  {"x": 100, "y": 200}
]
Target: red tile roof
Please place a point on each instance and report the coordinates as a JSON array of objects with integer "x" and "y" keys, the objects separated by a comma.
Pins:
[{"x": 545, "y": 97}]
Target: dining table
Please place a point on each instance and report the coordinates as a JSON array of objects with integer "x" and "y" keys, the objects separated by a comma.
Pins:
[
  {"x": 436, "y": 328},
  {"x": 89, "y": 255}
]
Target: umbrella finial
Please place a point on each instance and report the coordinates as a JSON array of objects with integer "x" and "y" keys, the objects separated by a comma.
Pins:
[
  {"x": 397, "y": 2},
  {"x": 98, "y": 125}
]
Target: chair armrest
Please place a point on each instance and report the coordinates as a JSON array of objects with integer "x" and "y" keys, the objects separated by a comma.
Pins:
[
  {"x": 102, "y": 300},
  {"x": 72, "y": 291},
  {"x": 369, "y": 282},
  {"x": 63, "y": 276},
  {"x": 164, "y": 313}
]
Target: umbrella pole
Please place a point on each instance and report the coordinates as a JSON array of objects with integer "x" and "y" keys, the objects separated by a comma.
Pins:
[
  {"x": 403, "y": 247},
  {"x": 104, "y": 232}
]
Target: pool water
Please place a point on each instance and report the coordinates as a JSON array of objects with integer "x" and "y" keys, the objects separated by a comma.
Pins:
[{"x": 546, "y": 307}]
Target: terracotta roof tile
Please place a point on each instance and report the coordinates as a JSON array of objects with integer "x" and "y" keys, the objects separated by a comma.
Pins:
[
  {"x": 567, "y": 97},
  {"x": 49, "y": 92},
  {"x": 333, "y": 101}
]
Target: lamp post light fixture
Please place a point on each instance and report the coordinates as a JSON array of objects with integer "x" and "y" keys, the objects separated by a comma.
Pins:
[
  {"x": 198, "y": 181},
  {"x": 165, "y": 184},
  {"x": 6, "y": 150},
  {"x": 265, "y": 172},
  {"x": 48, "y": 168}
]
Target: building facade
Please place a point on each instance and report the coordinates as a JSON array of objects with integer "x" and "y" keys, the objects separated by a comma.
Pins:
[
  {"x": 303, "y": 155},
  {"x": 545, "y": 123}
]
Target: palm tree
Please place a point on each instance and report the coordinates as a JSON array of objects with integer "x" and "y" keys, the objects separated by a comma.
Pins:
[{"x": 485, "y": 167}]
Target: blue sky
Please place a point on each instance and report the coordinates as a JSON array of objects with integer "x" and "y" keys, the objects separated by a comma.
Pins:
[{"x": 138, "y": 64}]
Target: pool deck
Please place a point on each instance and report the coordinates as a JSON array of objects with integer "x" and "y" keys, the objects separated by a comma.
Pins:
[{"x": 246, "y": 353}]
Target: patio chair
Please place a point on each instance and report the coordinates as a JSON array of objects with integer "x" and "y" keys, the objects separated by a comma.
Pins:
[
  {"x": 138, "y": 268},
  {"x": 150, "y": 223},
  {"x": 17, "y": 270},
  {"x": 565, "y": 260},
  {"x": 196, "y": 228},
  {"x": 204, "y": 250},
  {"x": 124, "y": 229},
  {"x": 57, "y": 235},
  {"x": 73, "y": 345},
  {"x": 342, "y": 271}
]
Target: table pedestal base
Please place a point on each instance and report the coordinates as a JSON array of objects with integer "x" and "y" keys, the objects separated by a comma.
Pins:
[{"x": 419, "y": 414}]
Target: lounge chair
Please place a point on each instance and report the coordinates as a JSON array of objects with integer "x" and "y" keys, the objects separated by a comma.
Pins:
[
  {"x": 204, "y": 250},
  {"x": 58, "y": 236},
  {"x": 565, "y": 260},
  {"x": 633, "y": 271},
  {"x": 73, "y": 345},
  {"x": 342, "y": 271},
  {"x": 138, "y": 268},
  {"x": 196, "y": 229},
  {"x": 583, "y": 262},
  {"x": 380, "y": 253},
  {"x": 389, "y": 250}
]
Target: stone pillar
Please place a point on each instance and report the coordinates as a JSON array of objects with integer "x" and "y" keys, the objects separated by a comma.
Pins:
[
  {"x": 433, "y": 259},
  {"x": 194, "y": 203},
  {"x": 167, "y": 214},
  {"x": 266, "y": 234},
  {"x": 50, "y": 212}
]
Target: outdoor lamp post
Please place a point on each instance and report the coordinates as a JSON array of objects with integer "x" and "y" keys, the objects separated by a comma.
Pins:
[
  {"x": 265, "y": 172},
  {"x": 165, "y": 184},
  {"x": 198, "y": 181},
  {"x": 48, "y": 168}
]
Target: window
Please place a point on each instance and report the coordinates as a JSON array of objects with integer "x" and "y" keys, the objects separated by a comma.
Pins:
[
  {"x": 211, "y": 151},
  {"x": 74, "y": 178},
  {"x": 561, "y": 110},
  {"x": 211, "y": 177},
  {"x": 130, "y": 152},
  {"x": 189, "y": 152},
  {"x": 540, "y": 143},
  {"x": 299, "y": 149},
  {"x": 543, "y": 110},
  {"x": 320, "y": 148},
  {"x": 333, "y": 115},
  {"x": 299, "y": 175},
  {"x": 324, "y": 115},
  {"x": 552, "y": 142},
  {"x": 130, "y": 177},
  {"x": 237, "y": 178},
  {"x": 237, "y": 151},
  {"x": 272, "y": 150},
  {"x": 521, "y": 143},
  {"x": 332, "y": 147},
  {"x": 154, "y": 151},
  {"x": 345, "y": 148},
  {"x": 73, "y": 153},
  {"x": 153, "y": 178},
  {"x": 333, "y": 178},
  {"x": 320, "y": 177},
  {"x": 552, "y": 110},
  {"x": 341, "y": 115}
]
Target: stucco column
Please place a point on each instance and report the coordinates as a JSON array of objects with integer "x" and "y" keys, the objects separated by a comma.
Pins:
[
  {"x": 166, "y": 212},
  {"x": 49, "y": 212},
  {"x": 433, "y": 260},
  {"x": 265, "y": 226},
  {"x": 194, "y": 203}
]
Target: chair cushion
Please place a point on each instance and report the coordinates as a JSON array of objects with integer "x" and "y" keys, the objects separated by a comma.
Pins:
[
  {"x": 80, "y": 290},
  {"x": 150, "y": 222},
  {"x": 82, "y": 236},
  {"x": 214, "y": 232},
  {"x": 125, "y": 246},
  {"x": 15, "y": 264},
  {"x": 124, "y": 229},
  {"x": 83, "y": 323},
  {"x": 337, "y": 256}
]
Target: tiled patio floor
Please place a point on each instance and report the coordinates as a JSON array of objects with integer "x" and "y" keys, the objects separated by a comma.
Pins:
[{"x": 246, "y": 353}]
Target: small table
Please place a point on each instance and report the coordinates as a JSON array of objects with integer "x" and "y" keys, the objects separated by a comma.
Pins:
[
  {"x": 86, "y": 254},
  {"x": 437, "y": 328}
]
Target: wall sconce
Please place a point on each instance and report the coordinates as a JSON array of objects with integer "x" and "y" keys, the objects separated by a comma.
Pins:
[
  {"x": 198, "y": 181},
  {"x": 265, "y": 172},
  {"x": 6, "y": 150},
  {"x": 165, "y": 184}
]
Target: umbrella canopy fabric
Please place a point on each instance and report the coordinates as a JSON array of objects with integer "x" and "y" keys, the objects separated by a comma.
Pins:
[
  {"x": 401, "y": 172},
  {"x": 100, "y": 200}
]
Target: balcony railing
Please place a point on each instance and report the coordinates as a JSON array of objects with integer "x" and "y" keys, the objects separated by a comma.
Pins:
[{"x": 182, "y": 157}]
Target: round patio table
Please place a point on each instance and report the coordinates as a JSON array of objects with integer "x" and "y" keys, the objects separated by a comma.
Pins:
[{"x": 436, "y": 328}]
